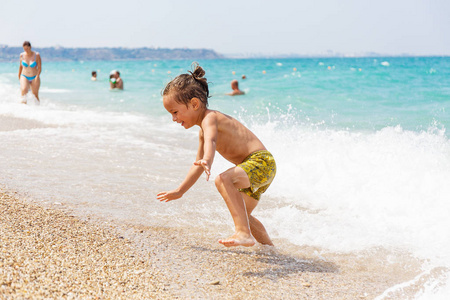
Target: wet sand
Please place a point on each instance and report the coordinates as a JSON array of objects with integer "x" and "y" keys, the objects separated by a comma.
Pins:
[
  {"x": 49, "y": 252},
  {"x": 9, "y": 123}
]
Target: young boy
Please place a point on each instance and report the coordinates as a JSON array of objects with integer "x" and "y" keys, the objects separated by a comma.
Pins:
[{"x": 186, "y": 99}]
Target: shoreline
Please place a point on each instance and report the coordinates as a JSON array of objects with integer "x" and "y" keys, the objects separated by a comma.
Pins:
[{"x": 50, "y": 252}]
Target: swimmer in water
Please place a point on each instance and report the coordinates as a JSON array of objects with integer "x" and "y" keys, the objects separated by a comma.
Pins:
[
  {"x": 235, "y": 87},
  {"x": 115, "y": 82}
]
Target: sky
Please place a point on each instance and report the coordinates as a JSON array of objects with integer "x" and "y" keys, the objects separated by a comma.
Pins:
[{"x": 247, "y": 27}]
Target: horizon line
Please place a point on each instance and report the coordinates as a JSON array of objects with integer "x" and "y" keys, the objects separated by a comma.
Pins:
[{"x": 237, "y": 55}]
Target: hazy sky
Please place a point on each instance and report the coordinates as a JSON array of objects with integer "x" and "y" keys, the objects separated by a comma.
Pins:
[{"x": 230, "y": 27}]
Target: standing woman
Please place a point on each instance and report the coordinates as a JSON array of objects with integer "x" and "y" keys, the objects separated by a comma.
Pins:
[{"x": 29, "y": 70}]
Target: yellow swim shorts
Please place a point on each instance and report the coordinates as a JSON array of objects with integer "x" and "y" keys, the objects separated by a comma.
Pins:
[{"x": 261, "y": 169}]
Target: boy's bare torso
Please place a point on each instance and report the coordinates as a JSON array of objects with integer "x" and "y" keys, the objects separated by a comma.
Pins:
[{"x": 234, "y": 141}]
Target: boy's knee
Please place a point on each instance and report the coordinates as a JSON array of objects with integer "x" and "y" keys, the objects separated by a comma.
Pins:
[
  {"x": 218, "y": 181},
  {"x": 221, "y": 178}
]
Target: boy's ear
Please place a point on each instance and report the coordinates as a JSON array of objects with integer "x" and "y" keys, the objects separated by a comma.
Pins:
[{"x": 195, "y": 103}]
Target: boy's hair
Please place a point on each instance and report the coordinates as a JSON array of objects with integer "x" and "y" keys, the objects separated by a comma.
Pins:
[
  {"x": 94, "y": 72},
  {"x": 188, "y": 86},
  {"x": 26, "y": 43}
]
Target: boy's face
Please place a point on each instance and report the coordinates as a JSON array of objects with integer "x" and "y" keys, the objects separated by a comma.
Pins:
[{"x": 186, "y": 116}]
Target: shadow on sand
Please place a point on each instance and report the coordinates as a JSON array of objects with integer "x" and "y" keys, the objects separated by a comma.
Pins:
[{"x": 272, "y": 264}]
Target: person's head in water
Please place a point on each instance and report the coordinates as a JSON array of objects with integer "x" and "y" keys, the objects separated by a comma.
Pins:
[
  {"x": 235, "y": 88},
  {"x": 112, "y": 78},
  {"x": 234, "y": 84},
  {"x": 188, "y": 86}
]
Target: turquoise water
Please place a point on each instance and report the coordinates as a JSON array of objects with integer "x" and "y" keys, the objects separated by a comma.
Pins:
[
  {"x": 362, "y": 148},
  {"x": 353, "y": 93}
]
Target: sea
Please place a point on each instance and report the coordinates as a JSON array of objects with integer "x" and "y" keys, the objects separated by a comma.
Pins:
[{"x": 361, "y": 144}]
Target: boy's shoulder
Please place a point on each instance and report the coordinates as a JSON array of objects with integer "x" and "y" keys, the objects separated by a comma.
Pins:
[
  {"x": 211, "y": 116},
  {"x": 215, "y": 114},
  {"x": 219, "y": 119},
  {"x": 222, "y": 121},
  {"x": 215, "y": 117}
]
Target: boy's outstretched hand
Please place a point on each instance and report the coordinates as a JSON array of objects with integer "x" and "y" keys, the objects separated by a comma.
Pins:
[
  {"x": 203, "y": 163},
  {"x": 168, "y": 196}
]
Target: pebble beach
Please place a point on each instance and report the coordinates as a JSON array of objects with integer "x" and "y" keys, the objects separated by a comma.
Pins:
[{"x": 49, "y": 253}]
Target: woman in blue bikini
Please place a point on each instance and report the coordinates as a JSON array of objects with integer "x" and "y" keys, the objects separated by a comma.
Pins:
[{"x": 29, "y": 70}]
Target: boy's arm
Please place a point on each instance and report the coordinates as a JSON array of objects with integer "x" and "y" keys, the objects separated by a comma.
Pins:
[
  {"x": 193, "y": 175},
  {"x": 210, "y": 131}
]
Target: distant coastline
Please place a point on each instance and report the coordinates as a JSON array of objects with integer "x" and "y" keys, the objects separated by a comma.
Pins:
[
  {"x": 58, "y": 53},
  {"x": 9, "y": 54}
]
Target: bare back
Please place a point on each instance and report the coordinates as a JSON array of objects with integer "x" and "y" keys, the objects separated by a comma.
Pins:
[{"x": 234, "y": 141}]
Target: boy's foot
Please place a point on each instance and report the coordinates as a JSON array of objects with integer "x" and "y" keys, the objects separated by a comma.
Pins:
[{"x": 236, "y": 240}]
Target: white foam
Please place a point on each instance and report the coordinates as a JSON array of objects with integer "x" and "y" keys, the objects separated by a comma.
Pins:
[
  {"x": 437, "y": 289},
  {"x": 351, "y": 191},
  {"x": 54, "y": 91},
  {"x": 390, "y": 184}
]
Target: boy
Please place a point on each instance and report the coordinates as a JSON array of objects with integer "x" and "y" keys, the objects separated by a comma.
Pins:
[{"x": 186, "y": 99}]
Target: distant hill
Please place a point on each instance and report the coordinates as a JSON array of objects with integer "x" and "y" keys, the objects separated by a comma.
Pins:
[{"x": 85, "y": 54}]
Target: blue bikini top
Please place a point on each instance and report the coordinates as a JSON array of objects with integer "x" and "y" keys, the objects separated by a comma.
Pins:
[{"x": 33, "y": 64}]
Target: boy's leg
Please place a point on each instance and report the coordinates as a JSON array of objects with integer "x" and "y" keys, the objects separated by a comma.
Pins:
[
  {"x": 228, "y": 184},
  {"x": 256, "y": 227}
]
